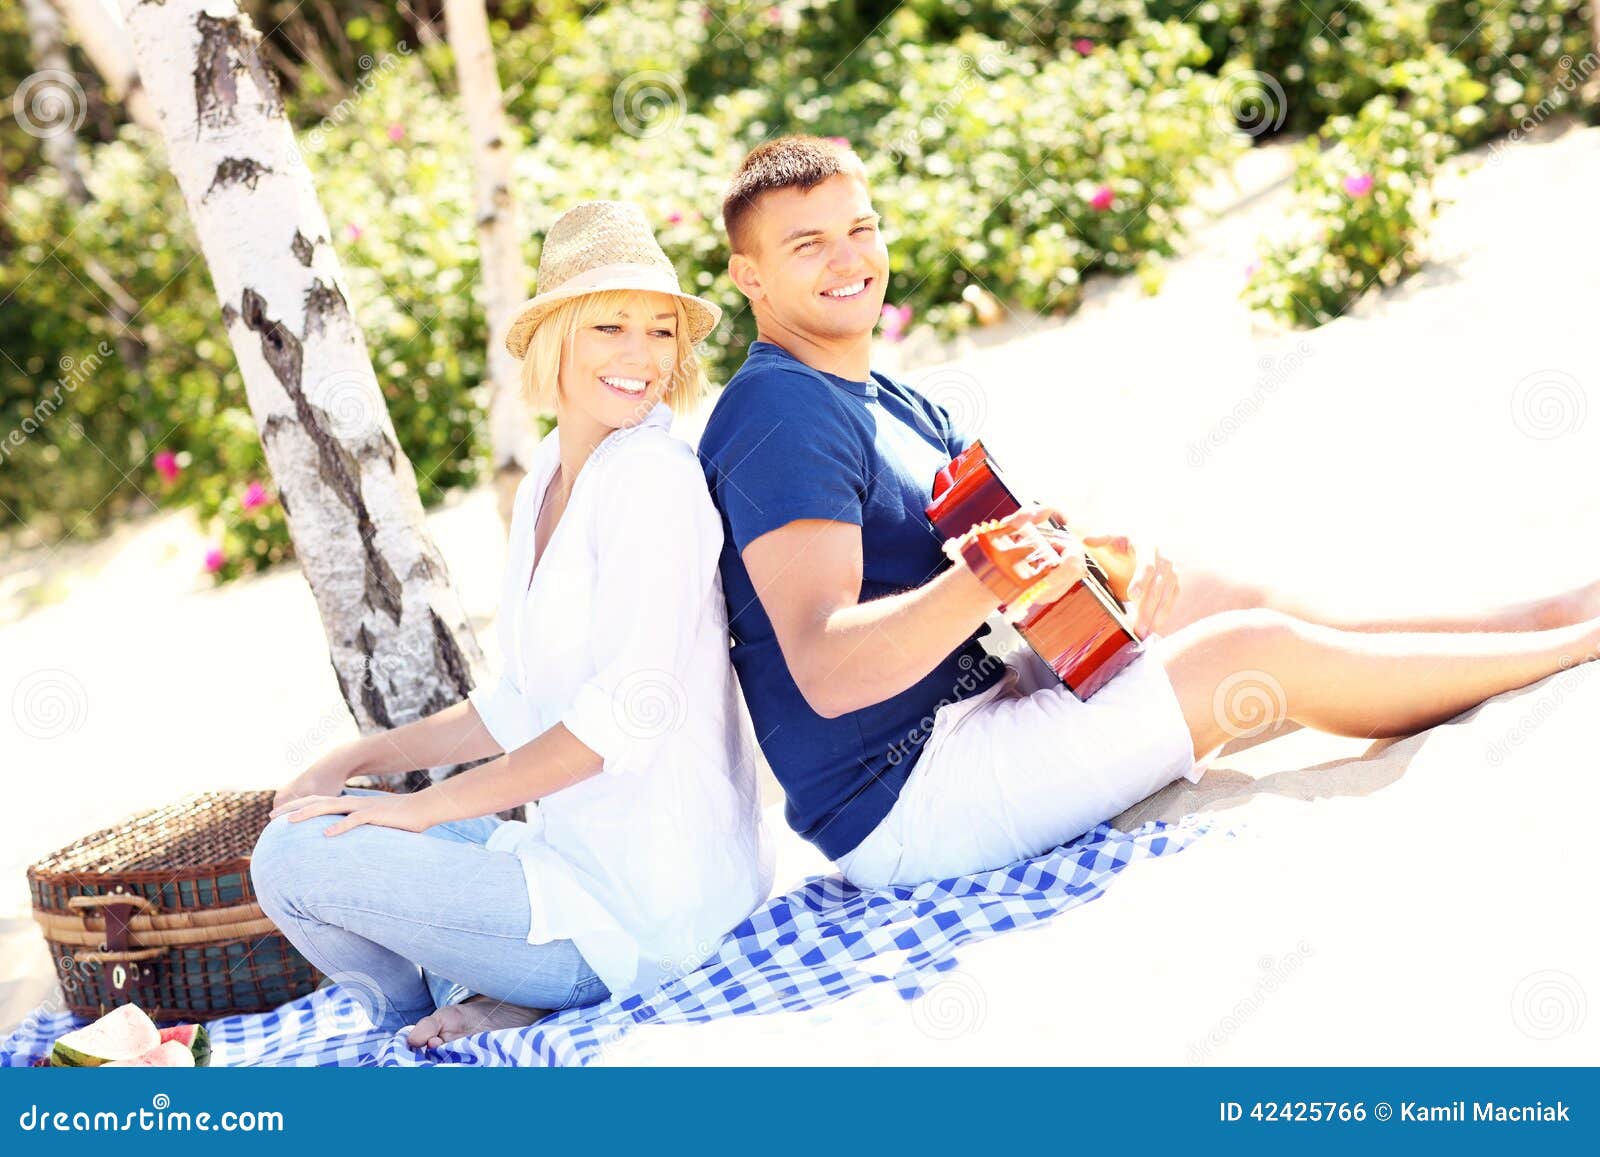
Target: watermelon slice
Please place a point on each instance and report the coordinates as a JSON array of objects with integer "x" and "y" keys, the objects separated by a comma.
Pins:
[
  {"x": 122, "y": 1034},
  {"x": 167, "y": 1055},
  {"x": 192, "y": 1037}
]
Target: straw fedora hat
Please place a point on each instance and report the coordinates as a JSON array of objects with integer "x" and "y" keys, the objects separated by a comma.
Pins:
[{"x": 601, "y": 245}]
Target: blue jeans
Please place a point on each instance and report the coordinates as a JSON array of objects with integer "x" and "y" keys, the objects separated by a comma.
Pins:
[{"x": 411, "y": 921}]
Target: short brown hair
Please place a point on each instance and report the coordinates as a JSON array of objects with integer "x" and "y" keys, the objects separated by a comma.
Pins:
[{"x": 792, "y": 162}]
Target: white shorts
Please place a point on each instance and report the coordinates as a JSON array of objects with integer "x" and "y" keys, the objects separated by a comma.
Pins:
[{"x": 1024, "y": 767}]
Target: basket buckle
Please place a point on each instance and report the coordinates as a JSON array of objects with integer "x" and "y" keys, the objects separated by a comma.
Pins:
[{"x": 118, "y": 906}]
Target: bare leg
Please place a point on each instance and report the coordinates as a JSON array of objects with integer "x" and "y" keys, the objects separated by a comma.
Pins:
[
  {"x": 1240, "y": 671},
  {"x": 1542, "y": 614},
  {"x": 1203, "y": 591}
]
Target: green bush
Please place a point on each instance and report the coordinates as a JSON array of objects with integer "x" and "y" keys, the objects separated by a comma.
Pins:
[
  {"x": 1363, "y": 194},
  {"x": 1020, "y": 175},
  {"x": 164, "y": 383},
  {"x": 990, "y": 166},
  {"x": 1534, "y": 56},
  {"x": 1326, "y": 57},
  {"x": 396, "y": 185},
  {"x": 396, "y": 182}
]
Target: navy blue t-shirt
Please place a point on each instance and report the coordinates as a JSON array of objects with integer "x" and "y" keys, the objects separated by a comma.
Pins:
[{"x": 788, "y": 442}]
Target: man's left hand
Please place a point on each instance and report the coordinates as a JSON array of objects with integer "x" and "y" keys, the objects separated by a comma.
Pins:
[{"x": 1140, "y": 576}]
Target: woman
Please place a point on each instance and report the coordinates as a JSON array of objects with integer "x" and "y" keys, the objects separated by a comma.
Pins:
[{"x": 618, "y": 710}]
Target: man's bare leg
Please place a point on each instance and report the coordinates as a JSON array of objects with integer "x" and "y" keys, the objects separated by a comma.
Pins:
[
  {"x": 1203, "y": 591},
  {"x": 1239, "y": 670}
]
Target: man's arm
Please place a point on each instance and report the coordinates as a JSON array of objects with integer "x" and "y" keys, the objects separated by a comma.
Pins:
[{"x": 844, "y": 654}]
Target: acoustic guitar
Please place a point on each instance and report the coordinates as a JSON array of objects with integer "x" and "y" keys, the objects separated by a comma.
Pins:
[{"x": 1086, "y": 636}]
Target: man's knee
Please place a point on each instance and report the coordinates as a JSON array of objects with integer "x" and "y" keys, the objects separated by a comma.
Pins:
[
  {"x": 1249, "y": 635},
  {"x": 1224, "y": 661}
]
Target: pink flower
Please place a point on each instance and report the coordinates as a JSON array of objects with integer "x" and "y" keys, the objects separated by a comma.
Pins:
[
  {"x": 1083, "y": 47},
  {"x": 1359, "y": 185},
  {"x": 1251, "y": 270},
  {"x": 842, "y": 142},
  {"x": 353, "y": 232},
  {"x": 1102, "y": 199},
  {"x": 774, "y": 15},
  {"x": 214, "y": 559},
  {"x": 895, "y": 320},
  {"x": 167, "y": 465},
  {"x": 674, "y": 217},
  {"x": 254, "y": 495},
  {"x": 705, "y": 15},
  {"x": 397, "y": 133}
]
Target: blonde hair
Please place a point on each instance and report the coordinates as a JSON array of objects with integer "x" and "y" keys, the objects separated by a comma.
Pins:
[{"x": 541, "y": 365}]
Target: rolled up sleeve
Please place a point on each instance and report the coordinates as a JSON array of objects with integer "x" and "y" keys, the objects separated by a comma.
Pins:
[
  {"x": 658, "y": 539},
  {"x": 508, "y": 715}
]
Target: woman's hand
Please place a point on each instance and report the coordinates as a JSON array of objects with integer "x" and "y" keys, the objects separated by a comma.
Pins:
[
  {"x": 326, "y": 776},
  {"x": 1152, "y": 594},
  {"x": 408, "y": 813}
]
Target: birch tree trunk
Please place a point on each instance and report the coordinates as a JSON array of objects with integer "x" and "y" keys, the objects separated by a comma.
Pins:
[
  {"x": 56, "y": 124},
  {"x": 505, "y": 276},
  {"x": 97, "y": 27},
  {"x": 398, "y": 639}
]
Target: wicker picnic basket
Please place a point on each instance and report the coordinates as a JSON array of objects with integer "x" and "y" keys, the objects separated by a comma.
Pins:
[{"x": 159, "y": 911}]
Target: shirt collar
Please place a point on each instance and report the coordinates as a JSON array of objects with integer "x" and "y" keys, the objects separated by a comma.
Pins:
[
  {"x": 660, "y": 416},
  {"x": 866, "y": 389}
]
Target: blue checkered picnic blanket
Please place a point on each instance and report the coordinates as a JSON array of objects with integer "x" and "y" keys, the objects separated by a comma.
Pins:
[{"x": 813, "y": 946}]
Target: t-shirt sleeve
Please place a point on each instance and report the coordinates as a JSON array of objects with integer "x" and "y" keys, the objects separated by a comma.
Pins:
[{"x": 782, "y": 448}]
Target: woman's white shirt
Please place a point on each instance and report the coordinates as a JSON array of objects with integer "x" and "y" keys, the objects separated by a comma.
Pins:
[{"x": 623, "y": 637}]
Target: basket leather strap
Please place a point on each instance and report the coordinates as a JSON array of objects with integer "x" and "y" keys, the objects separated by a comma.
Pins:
[{"x": 117, "y": 907}]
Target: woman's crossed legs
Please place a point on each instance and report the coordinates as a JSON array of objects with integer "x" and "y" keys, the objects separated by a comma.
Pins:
[{"x": 385, "y": 912}]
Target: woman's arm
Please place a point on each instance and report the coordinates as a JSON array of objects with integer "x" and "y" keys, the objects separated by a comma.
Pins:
[
  {"x": 553, "y": 760},
  {"x": 455, "y": 735}
]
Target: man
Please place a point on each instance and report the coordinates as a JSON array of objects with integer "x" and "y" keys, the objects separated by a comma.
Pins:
[{"x": 905, "y": 750}]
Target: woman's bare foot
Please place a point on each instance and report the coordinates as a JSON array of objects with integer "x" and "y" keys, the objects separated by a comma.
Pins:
[{"x": 474, "y": 1015}]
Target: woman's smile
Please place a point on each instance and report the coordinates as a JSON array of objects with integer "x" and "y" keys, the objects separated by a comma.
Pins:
[{"x": 626, "y": 386}]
